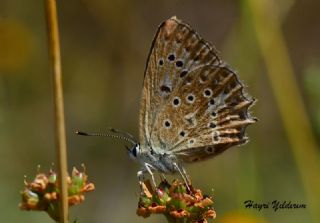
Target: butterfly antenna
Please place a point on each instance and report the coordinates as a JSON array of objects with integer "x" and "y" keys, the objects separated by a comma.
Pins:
[
  {"x": 126, "y": 134},
  {"x": 107, "y": 135}
]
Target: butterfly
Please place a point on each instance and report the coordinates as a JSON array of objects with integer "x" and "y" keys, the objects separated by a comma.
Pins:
[{"x": 193, "y": 105}]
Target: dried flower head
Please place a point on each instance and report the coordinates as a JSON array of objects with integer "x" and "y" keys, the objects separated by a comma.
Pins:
[
  {"x": 42, "y": 193},
  {"x": 175, "y": 202}
]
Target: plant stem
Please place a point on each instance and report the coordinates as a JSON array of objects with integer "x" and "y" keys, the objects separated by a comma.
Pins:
[{"x": 60, "y": 137}]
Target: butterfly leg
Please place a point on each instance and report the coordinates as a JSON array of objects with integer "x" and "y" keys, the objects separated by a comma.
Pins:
[
  {"x": 140, "y": 176},
  {"x": 186, "y": 175},
  {"x": 148, "y": 168},
  {"x": 183, "y": 175}
]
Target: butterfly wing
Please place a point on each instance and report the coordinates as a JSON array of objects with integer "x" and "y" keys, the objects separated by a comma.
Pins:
[
  {"x": 192, "y": 105},
  {"x": 176, "y": 50}
]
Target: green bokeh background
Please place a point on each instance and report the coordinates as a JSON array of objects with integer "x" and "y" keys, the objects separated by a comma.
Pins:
[{"x": 104, "y": 49}]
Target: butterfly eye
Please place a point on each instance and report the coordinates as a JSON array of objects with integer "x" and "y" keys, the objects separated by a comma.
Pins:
[{"x": 135, "y": 151}]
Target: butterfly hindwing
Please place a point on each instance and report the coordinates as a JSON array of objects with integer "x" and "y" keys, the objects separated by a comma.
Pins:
[{"x": 220, "y": 116}]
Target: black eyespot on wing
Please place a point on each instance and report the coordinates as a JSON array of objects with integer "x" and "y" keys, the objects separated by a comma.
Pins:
[
  {"x": 207, "y": 92},
  {"x": 171, "y": 57},
  {"x": 211, "y": 102},
  {"x": 167, "y": 123},
  {"x": 182, "y": 133},
  {"x": 179, "y": 63},
  {"x": 212, "y": 125},
  {"x": 176, "y": 101},
  {"x": 161, "y": 62},
  {"x": 190, "y": 98}
]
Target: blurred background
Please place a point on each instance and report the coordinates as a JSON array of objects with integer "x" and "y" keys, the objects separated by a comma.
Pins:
[{"x": 274, "y": 45}]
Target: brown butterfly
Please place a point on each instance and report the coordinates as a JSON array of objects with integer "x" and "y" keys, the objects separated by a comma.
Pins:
[{"x": 193, "y": 105}]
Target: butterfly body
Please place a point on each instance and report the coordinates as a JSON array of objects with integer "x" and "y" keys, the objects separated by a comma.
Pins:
[{"x": 157, "y": 159}]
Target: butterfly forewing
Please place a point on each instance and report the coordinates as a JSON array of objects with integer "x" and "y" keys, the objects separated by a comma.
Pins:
[
  {"x": 172, "y": 55},
  {"x": 192, "y": 104}
]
